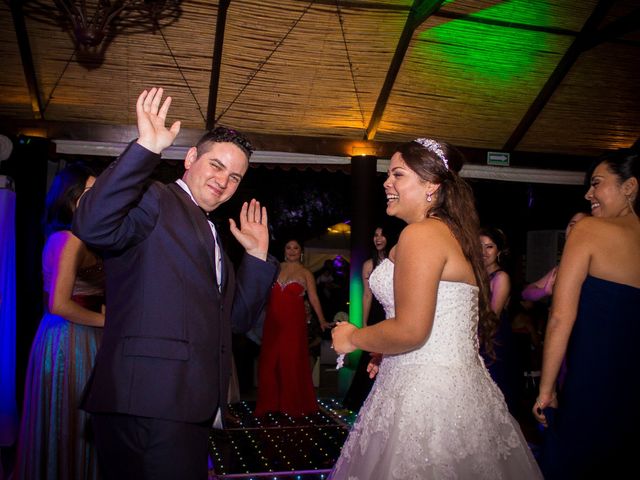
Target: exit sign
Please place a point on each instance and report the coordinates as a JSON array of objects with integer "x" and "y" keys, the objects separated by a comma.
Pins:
[{"x": 500, "y": 159}]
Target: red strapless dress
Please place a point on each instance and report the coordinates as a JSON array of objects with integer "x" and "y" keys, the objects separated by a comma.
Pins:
[{"x": 284, "y": 375}]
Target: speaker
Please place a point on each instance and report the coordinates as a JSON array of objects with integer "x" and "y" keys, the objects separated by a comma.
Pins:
[{"x": 544, "y": 248}]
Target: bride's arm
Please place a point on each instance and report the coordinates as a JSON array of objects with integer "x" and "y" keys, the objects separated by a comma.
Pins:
[{"x": 420, "y": 258}]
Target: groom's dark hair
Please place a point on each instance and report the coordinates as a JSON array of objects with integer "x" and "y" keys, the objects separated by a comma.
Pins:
[{"x": 222, "y": 134}]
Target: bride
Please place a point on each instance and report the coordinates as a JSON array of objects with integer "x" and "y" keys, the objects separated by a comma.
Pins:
[{"x": 434, "y": 411}]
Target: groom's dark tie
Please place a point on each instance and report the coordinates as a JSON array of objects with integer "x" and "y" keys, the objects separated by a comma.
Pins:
[
  {"x": 218, "y": 259},
  {"x": 217, "y": 251}
]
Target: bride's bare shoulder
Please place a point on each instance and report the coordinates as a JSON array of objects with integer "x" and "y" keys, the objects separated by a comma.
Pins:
[{"x": 431, "y": 230}]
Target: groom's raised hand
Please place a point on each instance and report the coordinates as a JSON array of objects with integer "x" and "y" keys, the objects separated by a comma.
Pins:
[
  {"x": 152, "y": 132},
  {"x": 253, "y": 233}
]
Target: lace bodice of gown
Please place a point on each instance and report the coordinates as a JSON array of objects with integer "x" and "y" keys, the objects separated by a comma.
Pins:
[{"x": 454, "y": 338}]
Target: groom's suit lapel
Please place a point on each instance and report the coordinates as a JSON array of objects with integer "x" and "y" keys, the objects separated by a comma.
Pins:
[{"x": 200, "y": 226}]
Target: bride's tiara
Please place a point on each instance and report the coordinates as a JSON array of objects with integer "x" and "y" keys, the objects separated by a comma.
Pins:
[{"x": 434, "y": 147}]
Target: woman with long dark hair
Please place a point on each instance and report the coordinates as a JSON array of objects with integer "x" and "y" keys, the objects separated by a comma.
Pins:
[
  {"x": 54, "y": 441},
  {"x": 433, "y": 411}
]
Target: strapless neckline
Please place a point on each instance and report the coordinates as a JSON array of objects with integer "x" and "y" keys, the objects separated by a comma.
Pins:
[
  {"x": 449, "y": 282},
  {"x": 611, "y": 282},
  {"x": 289, "y": 282}
]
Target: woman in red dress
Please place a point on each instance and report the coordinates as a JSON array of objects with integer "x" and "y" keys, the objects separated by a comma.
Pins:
[{"x": 284, "y": 379}]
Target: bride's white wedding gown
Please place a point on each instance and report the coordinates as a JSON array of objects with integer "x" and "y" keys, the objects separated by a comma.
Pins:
[{"x": 434, "y": 412}]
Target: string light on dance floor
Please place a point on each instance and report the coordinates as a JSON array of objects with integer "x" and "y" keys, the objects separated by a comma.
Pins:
[{"x": 278, "y": 446}]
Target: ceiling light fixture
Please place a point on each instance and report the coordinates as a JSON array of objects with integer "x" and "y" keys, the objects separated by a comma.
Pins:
[{"x": 92, "y": 22}]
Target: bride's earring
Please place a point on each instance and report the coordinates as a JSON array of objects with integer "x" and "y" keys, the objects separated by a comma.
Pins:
[{"x": 429, "y": 197}]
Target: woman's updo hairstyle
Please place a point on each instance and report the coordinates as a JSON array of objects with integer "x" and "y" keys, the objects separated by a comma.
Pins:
[{"x": 624, "y": 164}]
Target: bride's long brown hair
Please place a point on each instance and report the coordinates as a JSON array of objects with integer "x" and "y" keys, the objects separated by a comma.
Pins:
[{"x": 454, "y": 204}]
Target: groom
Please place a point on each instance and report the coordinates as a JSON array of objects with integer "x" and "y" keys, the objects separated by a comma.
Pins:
[{"x": 162, "y": 371}]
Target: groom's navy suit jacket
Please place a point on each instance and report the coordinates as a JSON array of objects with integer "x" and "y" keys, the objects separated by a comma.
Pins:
[{"x": 166, "y": 348}]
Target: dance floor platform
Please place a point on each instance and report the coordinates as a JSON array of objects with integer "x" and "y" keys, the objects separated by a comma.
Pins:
[{"x": 278, "y": 447}]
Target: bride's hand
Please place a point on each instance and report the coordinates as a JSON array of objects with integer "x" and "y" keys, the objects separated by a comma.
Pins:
[{"x": 341, "y": 337}]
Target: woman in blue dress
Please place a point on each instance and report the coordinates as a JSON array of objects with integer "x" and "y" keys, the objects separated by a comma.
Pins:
[
  {"x": 54, "y": 440},
  {"x": 594, "y": 420}
]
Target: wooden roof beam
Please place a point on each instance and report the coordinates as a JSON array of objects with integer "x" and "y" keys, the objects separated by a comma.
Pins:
[
  {"x": 27, "y": 59},
  {"x": 359, "y": 5},
  {"x": 615, "y": 29},
  {"x": 216, "y": 62},
  {"x": 561, "y": 70},
  {"x": 423, "y": 9},
  {"x": 420, "y": 11},
  {"x": 468, "y": 17}
]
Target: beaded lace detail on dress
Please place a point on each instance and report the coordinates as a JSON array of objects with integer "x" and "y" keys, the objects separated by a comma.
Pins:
[
  {"x": 286, "y": 283},
  {"x": 434, "y": 412}
]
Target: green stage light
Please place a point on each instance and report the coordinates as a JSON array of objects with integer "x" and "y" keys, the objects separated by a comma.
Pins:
[{"x": 494, "y": 55}]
